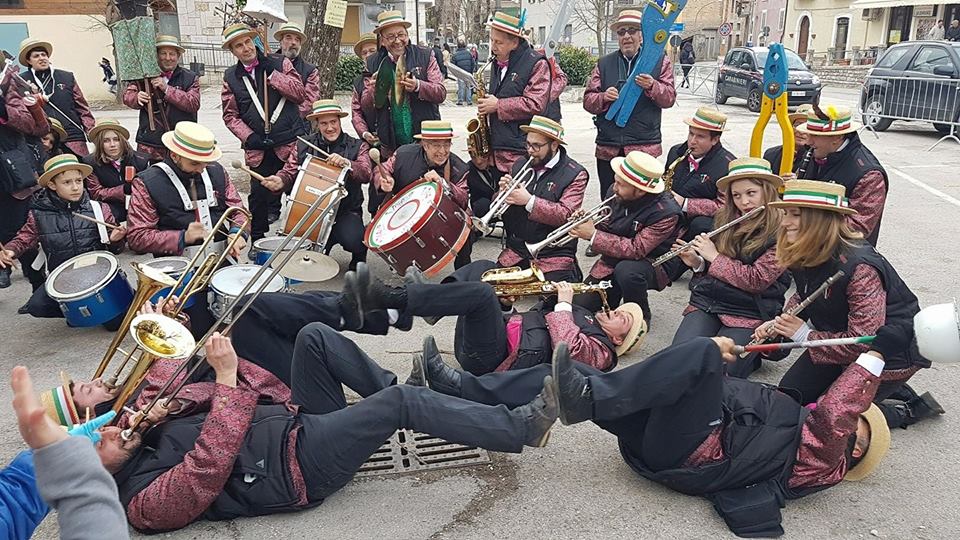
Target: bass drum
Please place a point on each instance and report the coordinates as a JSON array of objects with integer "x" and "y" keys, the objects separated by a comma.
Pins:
[
  {"x": 90, "y": 288},
  {"x": 420, "y": 226},
  {"x": 227, "y": 283}
]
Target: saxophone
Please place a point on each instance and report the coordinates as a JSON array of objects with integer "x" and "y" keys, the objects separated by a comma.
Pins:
[
  {"x": 672, "y": 169},
  {"x": 478, "y": 129},
  {"x": 513, "y": 281}
]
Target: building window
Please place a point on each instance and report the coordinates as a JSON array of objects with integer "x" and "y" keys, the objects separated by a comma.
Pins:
[
  {"x": 541, "y": 35},
  {"x": 783, "y": 19},
  {"x": 11, "y": 4}
]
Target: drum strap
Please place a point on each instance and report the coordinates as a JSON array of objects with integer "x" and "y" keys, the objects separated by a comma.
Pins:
[
  {"x": 203, "y": 205},
  {"x": 98, "y": 213},
  {"x": 259, "y": 106}
]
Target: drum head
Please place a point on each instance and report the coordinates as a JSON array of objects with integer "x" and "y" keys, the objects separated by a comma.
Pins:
[
  {"x": 171, "y": 266},
  {"x": 82, "y": 275},
  {"x": 271, "y": 244},
  {"x": 405, "y": 213},
  {"x": 231, "y": 280}
]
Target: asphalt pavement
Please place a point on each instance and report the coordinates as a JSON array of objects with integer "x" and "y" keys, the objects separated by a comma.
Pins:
[{"x": 578, "y": 486}]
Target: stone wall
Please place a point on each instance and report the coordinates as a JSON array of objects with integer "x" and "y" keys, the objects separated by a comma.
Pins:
[{"x": 842, "y": 75}]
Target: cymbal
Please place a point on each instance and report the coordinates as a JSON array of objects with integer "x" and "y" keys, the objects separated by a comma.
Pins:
[{"x": 306, "y": 265}]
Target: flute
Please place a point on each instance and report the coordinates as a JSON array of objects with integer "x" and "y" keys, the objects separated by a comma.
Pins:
[{"x": 667, "y": 256}]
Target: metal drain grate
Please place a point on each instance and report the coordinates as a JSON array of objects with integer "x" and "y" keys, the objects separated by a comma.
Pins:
[{"x": 408, "y": 451}]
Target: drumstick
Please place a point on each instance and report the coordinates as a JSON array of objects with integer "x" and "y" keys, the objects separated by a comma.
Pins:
[
  {"x": 97, "y": 221},
  {"x": 248, "y": 170},
  {"x": 375, "y": 157},
  {"x": 194, "y": 199},
  {"x": 323, "y": 154}
]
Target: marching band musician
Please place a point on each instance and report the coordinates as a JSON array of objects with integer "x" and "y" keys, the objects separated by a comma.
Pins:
[
  {"x": 816, "y": 240},
  {"x": 266, "y": 120},
  {"x": 642, "y": 225},
  {"x": 112, "y": 154},
  {"x": 54, "y": 225},
  {"x": 483, "y": 182},
  {"x": 642, "y": 131},
  {"x": 737, "y": 282},
  {"x": 546, "y": 203},
  {"x": 413, "y": 89},
  {"x": 53, "y": 142},
  {"x": 801, "y": 153},
  {"x": 518, "y": 90},
  {"x": 291, "y": 38},
  {"x": 175, "y": 94},
  {"x": 344, "y": 151},
  {"x": 695, "y": 179},
  {"x": 364, "y": 119},
  {"x": 62, "y": 96},
  {"x": 840, "y": 156}
]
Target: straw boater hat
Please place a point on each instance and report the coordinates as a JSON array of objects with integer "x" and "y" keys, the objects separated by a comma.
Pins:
[
  {"x": 57, "y": 127},
  {"x": 369, "y": 37},
  {"x": 325, "y": 106},
  {"x": 626, "y": 17},
  {"x": 289, "y": 28},
  {"x": 879, "y": 444},
  {"x": 169, "y": 41},
  {"x": 390, "y": 18},
  {"x": 839, "y": 122},
  {"x": 640, "y": 170},
  {"x": 58, "y": 403},
  {"x": 814, "y": 194},
  {"x": 637, "y": 333},
  {"x": 546, "y": 127},
  {"x": 192, "y": 141},
  {"x": 507, "y": 24},
  {"x": 749, "y": 167},
  {"x": 435, "y": 130},
  {"x": 105, "y": 124},
  {"x": 708, "y": 119},
  {"x": 800, "y": 114},
  {"x": 236, "y": 31},
  {"x": 62, "y": 163},
  {"x": 30, "y": 44}
]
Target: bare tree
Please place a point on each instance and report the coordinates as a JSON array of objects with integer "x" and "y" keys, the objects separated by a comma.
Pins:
[
  {"x": 594, "y": 16},
  {"x": 322, "y": 47}
]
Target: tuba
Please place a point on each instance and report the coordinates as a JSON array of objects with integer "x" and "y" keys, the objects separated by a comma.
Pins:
[
  {"x": 478, "y": 129},
  {"x": 672, "y": 169}
]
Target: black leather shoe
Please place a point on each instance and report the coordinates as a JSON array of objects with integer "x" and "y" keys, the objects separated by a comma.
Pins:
[
  {"x": 540, "y": 414},
  {"x": 376, "y": 294},
  {"x": 415, "y": 276},
  {"x": 572, "y": 389},
  {"x": 922, "y": 407},
  {"x": 4, "y": 278},
  {"x": 24, "y": 309},
  {"x": 351, "y": 303},
  {"x": 437, "y": 374},
  {"x": 417, "y": 377},
  {"x": 273, "y": 217}
]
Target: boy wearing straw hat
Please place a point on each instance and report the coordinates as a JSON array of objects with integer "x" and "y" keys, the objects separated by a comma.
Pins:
[
  {"x": 261, "y": 99},
  {"x": 518, "y": 90},
  {"x": 62, "y": 97},
  {"x": 642, "y": 226},
  {"x": 642, "y": 132},
  {"x": 840, "y": 156},
  {"x": 54, "y": 225},
  {"x": 406, "y": 85}
]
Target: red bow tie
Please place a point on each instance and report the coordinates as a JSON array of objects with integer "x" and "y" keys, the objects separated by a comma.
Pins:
[
  {"x": 252, "y": 66},
  {"x": 503, "y": 65},
  {"x": 694, "y": 164},
  {"x": 820, "y": 161},
  {"x": 167, "y": 74}
]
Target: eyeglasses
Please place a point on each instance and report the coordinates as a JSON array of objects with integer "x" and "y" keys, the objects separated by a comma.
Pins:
[
  {"x": 624, "y": 31},
  {"x": 535, "y": 146},
  {"x": 394, "y": 37}
]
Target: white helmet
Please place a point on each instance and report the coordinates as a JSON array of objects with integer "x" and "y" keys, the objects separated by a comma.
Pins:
[{"x": 938, "y": 332}]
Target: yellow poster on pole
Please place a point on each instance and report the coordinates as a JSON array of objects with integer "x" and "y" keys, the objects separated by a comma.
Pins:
[{"x": 336, "y": 13}]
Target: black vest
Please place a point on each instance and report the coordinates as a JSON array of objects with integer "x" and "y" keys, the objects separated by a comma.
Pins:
[
  {"x": 701, "y": 184},
  {"x": 550, "y": 187},
  {"x": 347, "y": 147},
  {"x": 62, "y": 234},
  {"x": 369, "y": 116},
  {"x": 180, "y": 78},
  {"x": 21, "y": 163},
  {"x": 417, "y": 61},
  {"x": 773, "y": 154},
  {"x": 304, "y": 68},
  {"x": 411, "y": 164},
  {"x": 507, "y": 135},
  {"x": 847, "y": 167},
  {"x": 829, "y": 313},
  {"x": 713, "y": 295},
  {"x": 536, "y": 346},
  {"x": 259, "y": 483},
  {"x": 170, "y": 212},
  {"x": 108, "y": 175},
  {"x": 643, "y": 127},
  {"x": 483, "y": 184},
  {"x": 627, "y": 218},
  {"x": 62, "y": 88},
  {"x": 288, "y": 125}
]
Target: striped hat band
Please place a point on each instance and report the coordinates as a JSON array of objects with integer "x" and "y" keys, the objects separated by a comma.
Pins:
[
  {"x": 326, "y": 108},
  {"x": 192, "y": 149},
  {"x": 62, "y": 160},
  {"x": 826, "y": 126},
  {"x": 506, "y": 23},
  {"x": 436, "y": 133},
  {"x": 168, "y": 41},
  {"x": 551, "y": 128},
  {"x": 750, "y": 168},
  {"x": 815, "y": 197},
  {"x": 707, "y": 123},
  {"x": 236, "y": 30},
  {"x": 389, "y": 19},
  {"x": 60, "y": 407},
  {"x": 633, "y": 174}
]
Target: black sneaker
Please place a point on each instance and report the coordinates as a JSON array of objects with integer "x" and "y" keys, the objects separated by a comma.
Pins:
[
  {"x": 540, "y": 414},
  {"x": 4, "y": 277}
]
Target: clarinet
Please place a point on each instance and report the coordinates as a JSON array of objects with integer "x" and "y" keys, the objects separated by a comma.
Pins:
[{"x": 804, "y": 163}]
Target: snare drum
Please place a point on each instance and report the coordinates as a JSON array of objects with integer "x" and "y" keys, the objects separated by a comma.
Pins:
[
  {"x": 90, "y": 288},
  {"x": 315, "y": 176},
  {"x": 263, "y": 249},
  {"x": 173, "y": 267},
  {"x": 227, "y": 283},
  {"x": 421, "y": 226}
]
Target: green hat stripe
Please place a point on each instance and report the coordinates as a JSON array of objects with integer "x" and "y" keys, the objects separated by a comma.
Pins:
[
  {"x": 190, "y": 145},
  {"x": 635, "y": 172},
  {"x": 742, "y": 169},
  {"x": 552, "y": 129}
]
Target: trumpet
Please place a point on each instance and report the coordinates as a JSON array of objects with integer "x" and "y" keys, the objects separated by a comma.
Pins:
[
  {"x": 667, "y": 256},
  {"x": 514, "y": 281},
  {"x": 561, "y": 235},
  {"x": 672, "y": 170},
  {"x": 159, "y": 337},
  {"x": 525, "y": 176}
]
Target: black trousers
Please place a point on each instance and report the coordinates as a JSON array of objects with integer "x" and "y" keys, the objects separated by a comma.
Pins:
[
  {"x": 661, "y": 409},
  {"x": 260, "y": 197},
  {"x": 347, "y": 232},
  {"x": 13, "y": 214},
  {"x": 336, "y": 440},
  {"x": 630, "y": 282},
  {"x": 700, "y": 224},
  {"x": 702, "y": 324},
  {"x": 118, "y": 209},
  {"x": 40, "y": 305},
  {"x": 605, "y": 174},
  {"x": 267, "y": 333}
]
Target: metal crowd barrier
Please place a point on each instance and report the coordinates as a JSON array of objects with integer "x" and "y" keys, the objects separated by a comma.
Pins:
[
  {"x": 702, "y": 78},
  {"x": 885, "y": 99},
  {"x": 211, "y": 56}
]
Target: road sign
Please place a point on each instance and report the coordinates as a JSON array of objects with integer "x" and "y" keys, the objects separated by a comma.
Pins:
[
  {"x": 675, "y": 40},
  {"x": 676, "y": 28},
  {"x": 725, "y": 29}
]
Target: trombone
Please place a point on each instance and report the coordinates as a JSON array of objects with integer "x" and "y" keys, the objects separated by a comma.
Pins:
[
  {"x": 231, "y": 313},
  {"x": 525, "y": 176},
  {"x": 561, "y": 235},
  {"x": 667, "y": 256}
]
